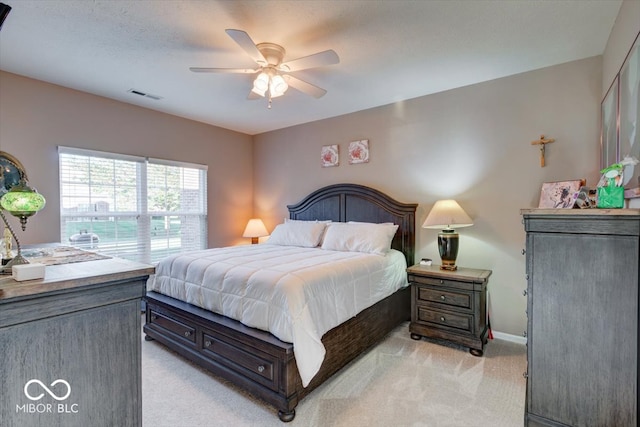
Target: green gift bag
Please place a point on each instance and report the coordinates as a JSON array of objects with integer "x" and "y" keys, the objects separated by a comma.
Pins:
[{"x": 610, "y": 197}]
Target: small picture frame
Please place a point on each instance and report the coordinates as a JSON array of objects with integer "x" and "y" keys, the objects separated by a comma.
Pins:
[
  {"x": 359, "y": 152},
  {"x": 583, "y": 199},
  {"x": 560, "y": 194},
  {"x": 329, "y": 156}
]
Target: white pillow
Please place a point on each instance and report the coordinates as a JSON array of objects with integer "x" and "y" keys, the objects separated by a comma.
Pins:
[
  {"x": 324, "y": 221},
  {"x": 306, "y": 234},
  {"x": 359, "y": 237},
  {"x": 359, "y": 222}
]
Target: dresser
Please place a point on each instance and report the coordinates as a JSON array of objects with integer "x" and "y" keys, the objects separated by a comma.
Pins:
[
  {"x": 449, "y": 305},
  {"x": 70, "y": 346},
  {"x": 582, "y": 305}
]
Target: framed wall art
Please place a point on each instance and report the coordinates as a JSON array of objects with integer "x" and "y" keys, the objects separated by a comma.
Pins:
[
  {"x": 329, "y": 156},
  {"x": 620, "y": 116},
  {"x": 609, "y": 130},
  {"x": 629, "y": 110},
  {"x": 560, "y": 194},
  {"x": 359, "y": 152}
]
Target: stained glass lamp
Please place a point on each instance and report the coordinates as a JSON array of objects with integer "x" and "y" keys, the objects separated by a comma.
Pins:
[
  {"x": 22, "y": 201},
  {"x": 17, "y": 198}
]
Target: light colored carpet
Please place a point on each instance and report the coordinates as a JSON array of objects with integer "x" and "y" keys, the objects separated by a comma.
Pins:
[{"x": 400, "y": 382}]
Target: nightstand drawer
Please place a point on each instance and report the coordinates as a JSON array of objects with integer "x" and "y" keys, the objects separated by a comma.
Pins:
[
  {"x": 436, "y": 281},
  {"x": 441, "y": 296},
  {"x": 457, "y": 321}
]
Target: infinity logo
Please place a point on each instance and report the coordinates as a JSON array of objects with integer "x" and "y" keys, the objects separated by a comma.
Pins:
[{"x": 38, "y": 397}]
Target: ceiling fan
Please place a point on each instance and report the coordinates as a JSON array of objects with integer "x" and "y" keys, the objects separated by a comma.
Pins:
[{"x": 273, "y": 76}]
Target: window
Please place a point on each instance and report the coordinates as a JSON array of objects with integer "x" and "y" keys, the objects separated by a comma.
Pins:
[{"x": 131, "y": 207}]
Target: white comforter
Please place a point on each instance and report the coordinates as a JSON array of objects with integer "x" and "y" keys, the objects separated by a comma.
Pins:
[{"x": 295, "y": 293}]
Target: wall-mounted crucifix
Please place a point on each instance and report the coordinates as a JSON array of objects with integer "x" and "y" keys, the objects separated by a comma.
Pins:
[{"x": 542, "y": 142}]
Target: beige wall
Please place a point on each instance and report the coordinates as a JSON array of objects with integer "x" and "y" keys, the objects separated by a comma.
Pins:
[
  {"x": 36, "y": 117},
  {"x": 472, "y": 144}
]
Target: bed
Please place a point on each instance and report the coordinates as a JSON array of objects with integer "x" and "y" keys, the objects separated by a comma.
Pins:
[{"x": 256, "y": 360}]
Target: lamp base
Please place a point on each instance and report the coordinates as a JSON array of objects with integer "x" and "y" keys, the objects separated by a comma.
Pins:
[{"x": 448, "y": 248}]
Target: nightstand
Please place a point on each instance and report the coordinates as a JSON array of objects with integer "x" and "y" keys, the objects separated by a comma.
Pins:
[{"x": 449, "y": 305}]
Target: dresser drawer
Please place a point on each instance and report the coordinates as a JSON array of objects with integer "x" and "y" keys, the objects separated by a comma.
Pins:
[
  {"x": 257, "y": 365},
  {"x": 458, "y": 321},
  {"x": 459, "y": 299},
  {"x": 180, "y": 329}
]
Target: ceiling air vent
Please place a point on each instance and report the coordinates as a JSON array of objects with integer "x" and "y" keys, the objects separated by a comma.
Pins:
[{"x": 146, "y": 95}]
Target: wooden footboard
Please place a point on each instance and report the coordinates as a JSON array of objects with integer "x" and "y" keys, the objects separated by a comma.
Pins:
[{"x": 256, "y": 360}]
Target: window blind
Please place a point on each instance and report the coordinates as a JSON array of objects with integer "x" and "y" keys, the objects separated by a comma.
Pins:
[{"x": 137, "y": 208}]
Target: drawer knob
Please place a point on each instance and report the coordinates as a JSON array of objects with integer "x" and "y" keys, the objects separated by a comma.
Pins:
[
  {"x": 187, "y": 333},
  {"x": 526, "y": 375},
  {"x": 524, "y": 334},
  {"x": 442, "y": 319},
  {"x": 261, "y": 368},
  {"x": 442, "y": 282},
  {"x": 524, "y": 293},
  {"x": 524, "y": 251},
  {"x": 207, "y": 343},
  {"x": 442, "y": 297}
]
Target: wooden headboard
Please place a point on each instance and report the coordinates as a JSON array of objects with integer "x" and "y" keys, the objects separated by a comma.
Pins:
[{"x": 353, "y": 202}]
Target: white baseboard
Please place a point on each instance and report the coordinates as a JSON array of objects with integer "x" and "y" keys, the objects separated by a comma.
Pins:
[{"x": 508, "y": 337}]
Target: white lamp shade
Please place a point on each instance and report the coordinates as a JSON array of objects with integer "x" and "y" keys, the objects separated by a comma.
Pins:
[
  {"x": 447, "y": 214},
  {"x": 255, "y": 228}
]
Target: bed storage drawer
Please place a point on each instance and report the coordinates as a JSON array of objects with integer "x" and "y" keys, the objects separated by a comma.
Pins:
[
  {"x": 180, "y": 329},
  {"x": 225, "y": 346},
  {"x": 245, "y": 359}
]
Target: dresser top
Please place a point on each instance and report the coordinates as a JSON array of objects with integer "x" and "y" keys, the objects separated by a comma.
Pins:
[
  {"x": 582, "y": 212},
  {"x": 67, "y": 277}
]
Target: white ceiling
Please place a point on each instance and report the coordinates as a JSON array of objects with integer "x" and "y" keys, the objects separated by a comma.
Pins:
[{"x": 389, "y": 50}]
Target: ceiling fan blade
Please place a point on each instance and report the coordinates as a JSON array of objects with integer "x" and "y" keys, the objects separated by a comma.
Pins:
[
  {"x": 247, "y": 44},
  {"x": 328, "y": 57},
  {"x": 305, "y": 87},
  {"x": 223, "y": 70}
]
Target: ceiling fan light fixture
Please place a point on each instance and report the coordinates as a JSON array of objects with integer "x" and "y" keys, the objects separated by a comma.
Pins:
[
  {"x": 273, "y": 94},
  {"x": 273, "y": 79},
  {"x": 278, "y": 86},
  {"x": 261, "y": 83},
  {"x": 258, "y": 92}
]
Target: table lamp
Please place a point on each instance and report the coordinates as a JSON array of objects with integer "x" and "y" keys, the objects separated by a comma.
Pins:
[
  {"x": 255, "y": 229},
  {"x": 17, "y": 198},
  {"x": 444, "y": 215}
]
